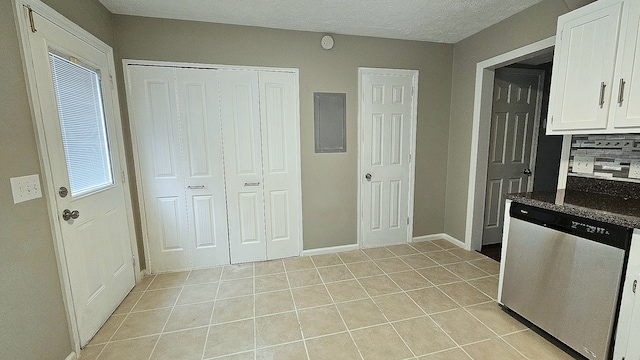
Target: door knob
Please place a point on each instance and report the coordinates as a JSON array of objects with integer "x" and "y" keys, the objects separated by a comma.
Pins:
[
  {"x": 368, "y": 177},
  {"x": 527, "y": 172},
  {"x": 68, "y": 214}
]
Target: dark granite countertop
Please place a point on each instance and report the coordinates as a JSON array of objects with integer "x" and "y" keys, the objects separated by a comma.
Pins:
[{"x": 611, "y": 209}]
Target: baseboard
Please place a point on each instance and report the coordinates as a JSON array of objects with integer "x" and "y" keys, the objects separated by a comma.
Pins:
[
  {"x": 330, "y": 250},
  {"x": 141, "y": 274},
  {"x": 444, "y": 236},
  {"x": 335, "y": 249},
  {"x": 71, "y": 356},
  {"x": 428, "y": 237}
]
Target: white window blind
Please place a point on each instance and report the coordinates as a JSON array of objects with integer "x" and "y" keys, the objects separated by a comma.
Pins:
[{"x": 82, "y": 123}]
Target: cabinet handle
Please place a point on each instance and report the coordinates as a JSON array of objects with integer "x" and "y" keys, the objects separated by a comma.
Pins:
[
  {"x": 602, "y": 86},
  {"x": 635, "y": 283},
  {"x": 195, "y": 187},
  {"x": 621, "y": 91},
  {"x": 251, "y": 184}
]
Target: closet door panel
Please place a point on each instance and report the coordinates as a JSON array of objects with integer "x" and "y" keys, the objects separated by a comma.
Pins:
[
  {"x": 280, "y": 144},
  {"x": 202, "y": 159},
  {"x": 243, "y": 164},
  {"x": 157, "y": 135}
]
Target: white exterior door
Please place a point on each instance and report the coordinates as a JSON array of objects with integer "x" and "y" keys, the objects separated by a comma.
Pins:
[
  {"x": 83, "y": 148},
  {"x": 387, "y": 126},
  {"x": 175, "y": 117},
  {"x": 582, "y": 81},
  {"x": 240, "y": 109},
  {"x": 281, "y": 163},
  {"x": 517, "y": 96}
]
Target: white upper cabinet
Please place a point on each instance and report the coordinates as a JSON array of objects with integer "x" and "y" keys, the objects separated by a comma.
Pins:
[
  {"x": 595, "y": 87},
  {"x": 627, "y": 107}
]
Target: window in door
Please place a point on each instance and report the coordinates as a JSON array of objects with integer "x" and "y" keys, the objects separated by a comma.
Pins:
[{"x": 82, "y": 124}]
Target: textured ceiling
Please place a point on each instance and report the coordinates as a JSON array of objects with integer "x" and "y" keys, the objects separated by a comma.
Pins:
[{"x": 445, "y": 21}]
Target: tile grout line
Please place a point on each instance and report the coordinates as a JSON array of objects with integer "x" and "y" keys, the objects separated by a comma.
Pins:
[
  {"x": 255, "y": 328},
  {"x": 168, "y": 317},
  {"x": 368, "y": 258},
  {"x": 123, "y": 320},
  {"x": 215, "y": 299},
  {"x": 295, "y": 309},
  {"x": 378, "y": 307},
  {"x": 333, "y": 302},
  {"x": 403, "y": 292},
  {"x": 420, "y": 307}
]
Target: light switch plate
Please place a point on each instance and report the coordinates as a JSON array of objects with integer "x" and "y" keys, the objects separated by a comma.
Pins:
[
  {"x": 25, "y": 188},
  {"x": 634, "y": 169},
  {"x": 583, "y": 164}
]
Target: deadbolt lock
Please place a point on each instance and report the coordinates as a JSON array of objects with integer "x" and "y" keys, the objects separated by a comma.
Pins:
[{"x": 63, "y": 192}]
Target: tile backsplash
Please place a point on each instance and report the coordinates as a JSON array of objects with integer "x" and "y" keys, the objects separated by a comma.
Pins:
[{"x": 614, "y": 157}]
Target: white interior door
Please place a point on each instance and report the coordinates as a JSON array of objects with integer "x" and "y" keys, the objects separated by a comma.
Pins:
[
  {"x": 386, "y": 130},
  {"x": 203, "y": 166},
  {"x": 175, "y": 117},
  {"x": 243, "y": 164},
  {"x": 83, "y": 148},
  {"x": 517, "y": 100},
  {"x": 281, "y": 163},
  {"x": 154, "y": 120}
]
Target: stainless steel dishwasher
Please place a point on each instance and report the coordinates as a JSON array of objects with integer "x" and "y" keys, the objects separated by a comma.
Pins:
[{"x": 563, "y": 274}]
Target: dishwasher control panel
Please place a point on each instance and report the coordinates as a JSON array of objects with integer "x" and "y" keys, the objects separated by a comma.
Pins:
[{"x": 609, "y": 234}]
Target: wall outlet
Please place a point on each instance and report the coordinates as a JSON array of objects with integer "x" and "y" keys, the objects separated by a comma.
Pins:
[
  {"x": 25, "y": 188},
  {"x": 634, "y": 169},
  {"x": 583, "y": 164}
]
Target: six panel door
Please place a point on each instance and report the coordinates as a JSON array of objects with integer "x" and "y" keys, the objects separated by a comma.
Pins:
[
  {"x": 516, "y": 105},
  {"x": 386, "y": 135}
]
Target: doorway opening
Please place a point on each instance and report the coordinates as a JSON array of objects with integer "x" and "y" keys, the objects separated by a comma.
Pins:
[
  {"x": 536, "y": 55},
  {"x": 521, "y": 156}
]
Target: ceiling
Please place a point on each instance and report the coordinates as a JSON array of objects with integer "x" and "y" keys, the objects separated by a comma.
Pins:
[{"x": 444, "y": 21}]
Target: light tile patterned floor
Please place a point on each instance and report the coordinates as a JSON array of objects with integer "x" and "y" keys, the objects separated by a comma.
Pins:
[{"x": 427, "y": 300}]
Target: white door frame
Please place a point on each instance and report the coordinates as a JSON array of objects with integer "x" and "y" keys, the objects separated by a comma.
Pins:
[
  {"x": 412, "y": 144},
  {"x": 485, "y": 74},
  {"x": 132, "y": 127},
  {"x": 45, "y": 164}
]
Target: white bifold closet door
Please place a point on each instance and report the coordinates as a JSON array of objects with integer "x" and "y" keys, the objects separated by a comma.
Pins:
[
  {"x": 261, "y": 147},
  {"x": 176, "y": 122},
  {"x": 218, "y": 156}
]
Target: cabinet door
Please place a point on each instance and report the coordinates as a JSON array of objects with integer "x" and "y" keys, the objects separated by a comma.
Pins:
[
  {"x": 243, "y": 164},
  {"x": 281, "y": 163},
  {"x": 627, "y": 94},
  {"x": 584, "y": 67}
]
